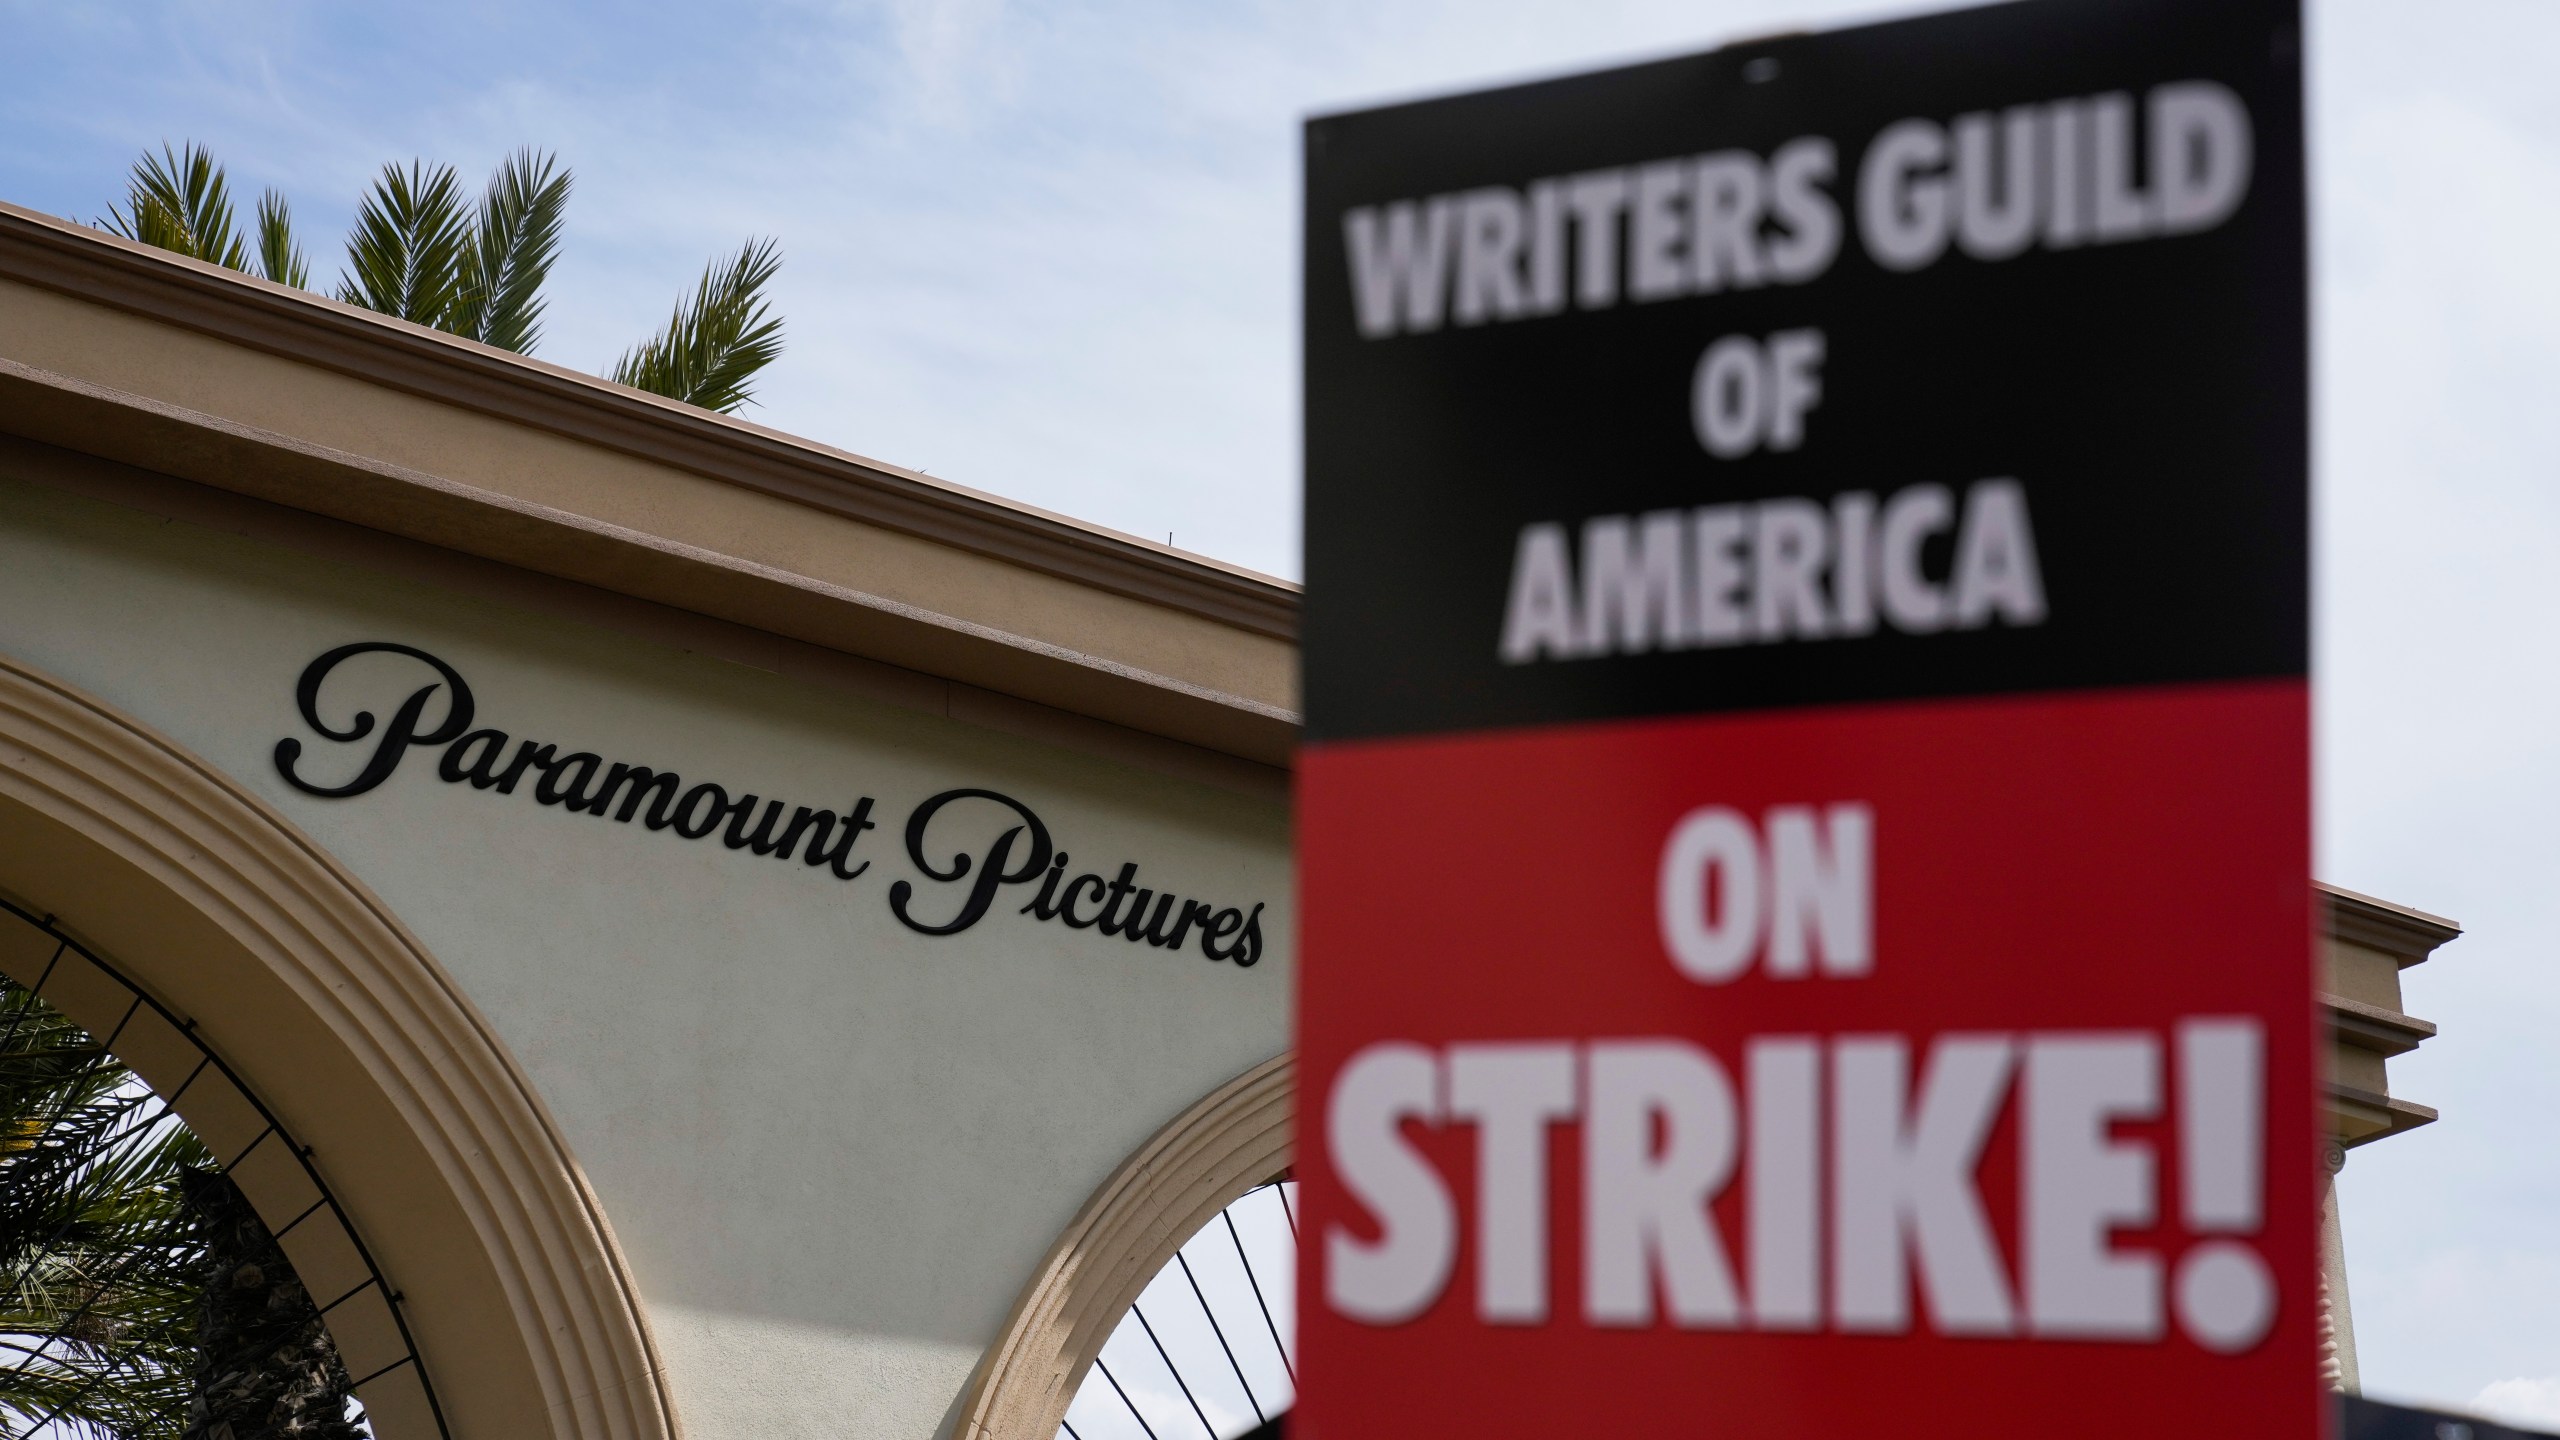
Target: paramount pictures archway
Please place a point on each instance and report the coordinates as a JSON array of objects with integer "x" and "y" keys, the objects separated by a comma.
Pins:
[
  {"x": 633, "y": 1122},
  {"x": 372, "y": 1117}
]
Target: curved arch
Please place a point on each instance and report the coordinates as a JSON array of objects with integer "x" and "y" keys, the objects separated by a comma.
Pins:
[
  {"x": 336, "y": 1018},
  {"x": 1234, "y": 1139}
]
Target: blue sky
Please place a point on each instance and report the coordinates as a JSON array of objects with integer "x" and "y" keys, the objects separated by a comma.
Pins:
[{"x": 1048, "y": 251}]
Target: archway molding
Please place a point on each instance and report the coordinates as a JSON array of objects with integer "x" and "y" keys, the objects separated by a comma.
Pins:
[
  {"x": 1235, "y": 1138},
  {"x": 341, "y": 1023}
]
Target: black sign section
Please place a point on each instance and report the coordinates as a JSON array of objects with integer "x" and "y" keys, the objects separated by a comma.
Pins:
[
  {"x": 961, "y": 884},
  {"x": 1955, "y": 356}
]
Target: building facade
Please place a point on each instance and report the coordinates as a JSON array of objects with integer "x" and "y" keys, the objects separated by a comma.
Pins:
[
  {"x": 2365, "y": 944},
  {"x": 717, "y": 1021}
]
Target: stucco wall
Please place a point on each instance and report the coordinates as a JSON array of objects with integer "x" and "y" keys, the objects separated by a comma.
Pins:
[{"x": 832, "y": 1148}]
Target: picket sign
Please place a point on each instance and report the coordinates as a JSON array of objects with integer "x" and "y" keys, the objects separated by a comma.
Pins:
[{"x": 1805, "y": 819}]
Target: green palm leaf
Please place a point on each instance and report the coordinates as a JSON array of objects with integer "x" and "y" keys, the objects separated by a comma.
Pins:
[
  {"x": 181, "y": 203},
  {"x": 100, "y": 1268},
  {"x": 716, "y": 342},
  {"x": 514, "y": 239},
  {"x": 420, "y": 251},
  {"x": 404, "y": 257},
  {"x": 279, "y": 258}
]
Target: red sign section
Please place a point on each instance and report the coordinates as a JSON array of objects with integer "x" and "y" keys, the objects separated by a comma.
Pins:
[{"x": 1811, "y": 1072}]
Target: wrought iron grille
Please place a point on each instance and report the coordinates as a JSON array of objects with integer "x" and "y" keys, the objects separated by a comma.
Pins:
[
  {"x": 1209, "y": 1348},
  {"x": 160, "y": 1278}
]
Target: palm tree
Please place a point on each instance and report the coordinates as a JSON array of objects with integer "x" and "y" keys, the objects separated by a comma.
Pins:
[
  {"x": 140, "y": 1296},
  {"x": 717, "y": 340},
  {"x": 419, "y": 252},
  {"x": 96, "y": 1304},
  {"x": 180, "y": 202},
  {"x": 422, "y": 251},
  {"x": 264, "y": 1363}
]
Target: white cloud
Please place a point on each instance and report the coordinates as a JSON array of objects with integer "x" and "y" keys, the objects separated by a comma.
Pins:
[{"x": 2521, "y": 1402}]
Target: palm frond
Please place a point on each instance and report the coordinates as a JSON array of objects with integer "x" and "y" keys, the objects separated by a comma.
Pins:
[
  {"x": 141, "y": 1295},
  {"x": 717, "y": 340},
  {"x": 180, "y": 202},
  {"x": 515, "y": 238},
  {"x": 101, "y": 1275},
  {"x": 279, "y": 258},
  {"x": 404, "y": 257}
]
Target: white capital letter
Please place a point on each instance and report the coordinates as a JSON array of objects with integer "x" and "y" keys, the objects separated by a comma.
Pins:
[
  {"x": 1400, "y": 265},
  {"x": 2200, "y": 155},
  {"x": 1902, "y": 213},
  {"x": 1512, "y": 1092},
  {"x": 1821, "y": 894},
  {"x": 2079, "y": 1185},
  {"x": 1538, "y": 623},
  {"x": 1996, "y": 559},
  {"x": 1710, "y": 840},
  {"x": 1729, "y": 397},
  {"x": 1493, "y": 226},
  {"x": 1635, "y": 583},
  {"x": 1784, "y": 1182},
  {"x": 2121, "y": 211},
  {"x": 1910, "y": 518},
  {"x": 1809, "y": 223},
  {"x": 1645, "y": 1206},
  {"x": 1398, "y": 1275},
  {"x": 1795, "y": 384},
  {"x": 1897, "y": 1184}
]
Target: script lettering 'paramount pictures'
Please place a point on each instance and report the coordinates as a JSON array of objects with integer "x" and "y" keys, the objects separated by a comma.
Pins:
[{"x": 1804, "y": 823}]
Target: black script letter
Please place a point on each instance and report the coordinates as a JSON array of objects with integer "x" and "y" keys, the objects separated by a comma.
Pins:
[
  {"x": 482, "y": 773},
  {"x": 991, "y": 872},
  {"x": 856, "y": 820},
  {"x": 658, "y": 787},
  {"x": 1040, "y": 904},
  {"x": 1248, "y": 946},
  {"x": 1120, "y": 888},
  {"x": 397, "y": 737},
  {"x": 1154, "y": 933},
  {"x": 803, "y": 820},
  {"x": 552, "y": 790},
  {"x": 761, "y": 842},
  {"x": 1216, "y": 929},
  {"x": 1193, "y": 913},
  {"x": 528, "y": 756},
  {"x": 1067, "y": 902},
  {"x": 1133, "y": 927},
  {"x": 711, "y": 814}
]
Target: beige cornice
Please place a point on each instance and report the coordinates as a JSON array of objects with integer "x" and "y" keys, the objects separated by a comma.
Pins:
[
  {"x": 84, "y": 417},
  {"x": 2406, "y": 935},
  {"x": 123, "y": 353},
  {"x": 337, "y": 1019},
  {"x": 1232, "y": 1140},
  {"x": 46, "y": 251},
  {"x": 2375, "y": 1116},
  {"x": 2372, "y": 1027}
]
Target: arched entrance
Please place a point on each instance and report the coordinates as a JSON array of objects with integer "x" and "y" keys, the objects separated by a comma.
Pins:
[
  {"x": 115, "y": 1217},
  {"x": 334, "y": 1024},
  {"x": 1234, "y": 1140},
  {"x": 1209, "y": 1350}
]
